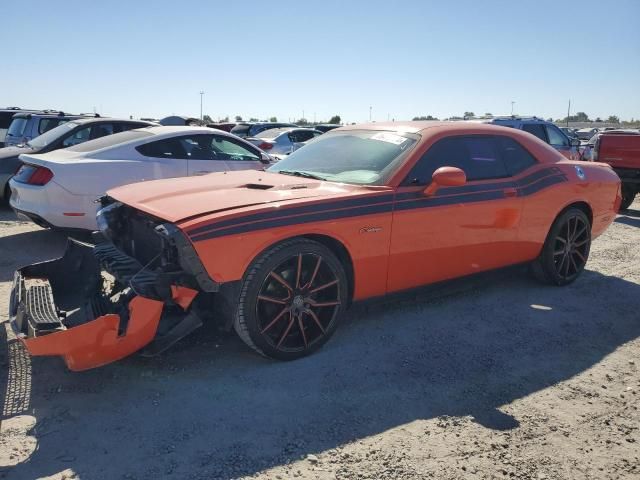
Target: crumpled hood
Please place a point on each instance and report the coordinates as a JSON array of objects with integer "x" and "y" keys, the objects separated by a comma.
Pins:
[{"x": 176, "y": 199}]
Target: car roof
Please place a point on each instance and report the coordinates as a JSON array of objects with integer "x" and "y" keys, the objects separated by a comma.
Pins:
[
  {"x": 425, "y": 126},
  {"x": 54, "y": 114},
  {"x": 185, "y": 129},
  {"x": 83, "y": 120},
  {"x": 280, "y": 130}
]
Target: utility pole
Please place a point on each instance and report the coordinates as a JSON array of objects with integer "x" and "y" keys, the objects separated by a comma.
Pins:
[
  {"x": 370, "y": 108},
  {"x": 568, "y": 112},
  {"x": 201, "y": 95},
  {"x": 512, "y": 104}
]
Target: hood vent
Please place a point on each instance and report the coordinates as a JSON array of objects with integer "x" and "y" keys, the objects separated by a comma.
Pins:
[{"x": 258, "y": 186}]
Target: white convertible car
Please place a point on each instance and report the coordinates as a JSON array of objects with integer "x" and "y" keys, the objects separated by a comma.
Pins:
[{"x": 59, "y": 189}]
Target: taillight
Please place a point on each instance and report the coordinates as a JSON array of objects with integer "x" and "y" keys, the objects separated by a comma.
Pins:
[
  {"x": 265, "y": 146},
  {"x": 33, "y": 175}
]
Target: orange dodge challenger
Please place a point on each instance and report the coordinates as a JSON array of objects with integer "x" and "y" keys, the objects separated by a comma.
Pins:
[{"x": 362, "y": 211}]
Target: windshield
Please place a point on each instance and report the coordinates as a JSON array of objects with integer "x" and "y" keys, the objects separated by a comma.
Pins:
[
  {"x": 52, "y": 135},
  {"x": 362, "y": 157}
]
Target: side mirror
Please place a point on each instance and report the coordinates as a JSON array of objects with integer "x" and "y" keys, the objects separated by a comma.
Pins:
[
  {"x": 575, "y": 142},
  {"x": 446, "y": 177}
]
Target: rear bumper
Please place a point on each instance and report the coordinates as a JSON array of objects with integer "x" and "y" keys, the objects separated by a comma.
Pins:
[{"x": 60, "y": 308}]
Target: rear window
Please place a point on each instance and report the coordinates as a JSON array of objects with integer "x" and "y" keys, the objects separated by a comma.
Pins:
[
  {"x": 271, "y": 133},
  {"x": 110, "y": 140},
  {"x": 16, "y": 129},
  {"x": 240, "y": 129}
]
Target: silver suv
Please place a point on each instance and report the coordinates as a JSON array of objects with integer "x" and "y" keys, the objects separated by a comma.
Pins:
[{"x": 29, "y": 125}]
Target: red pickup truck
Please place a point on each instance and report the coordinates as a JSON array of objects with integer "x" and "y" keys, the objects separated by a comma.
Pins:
[{"x": 621, "y": 150}]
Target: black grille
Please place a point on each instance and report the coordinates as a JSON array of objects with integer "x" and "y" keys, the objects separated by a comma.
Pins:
[{"x": 41, "y": 309}]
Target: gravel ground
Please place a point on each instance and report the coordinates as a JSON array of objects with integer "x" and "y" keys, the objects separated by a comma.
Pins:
[{"x": 491, "y": 377}]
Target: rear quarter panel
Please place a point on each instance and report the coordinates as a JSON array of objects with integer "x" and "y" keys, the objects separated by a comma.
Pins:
[{"x": 599, "y": 189}]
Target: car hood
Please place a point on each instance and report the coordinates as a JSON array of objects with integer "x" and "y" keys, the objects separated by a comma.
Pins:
[{"x": 178, "y": 199}]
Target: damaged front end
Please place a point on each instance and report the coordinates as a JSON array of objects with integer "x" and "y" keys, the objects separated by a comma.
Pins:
[{"x": 134, "y": 289}]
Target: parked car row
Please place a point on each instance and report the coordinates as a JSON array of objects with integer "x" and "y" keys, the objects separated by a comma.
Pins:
[
  {"x": 55, "y": 178},
  {"x": 59, "y": 188},
  {"x": 66, "y": 134}
]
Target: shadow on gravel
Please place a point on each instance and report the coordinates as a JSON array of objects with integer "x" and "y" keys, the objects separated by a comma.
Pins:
[
  {"x": 28, "y": 247},
  {"x": 211, "y": 409},
  {"x": 629, "y": 217}
]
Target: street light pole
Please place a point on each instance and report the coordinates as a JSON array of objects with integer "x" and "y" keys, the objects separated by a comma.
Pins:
[
  {"x": 512, "y": 103},
  {"x": 370, "y": 108},
  {"x": 201, "y": 95}
]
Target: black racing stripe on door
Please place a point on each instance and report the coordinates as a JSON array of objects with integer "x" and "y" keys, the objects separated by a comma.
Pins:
[
  {"x": 287, "y": 221},
  {"x": 449, "y": 200},
  {"x": 277, "y": 213},
  {"x": 541, "y": 185},
  {"x": 507, "y": 183}
]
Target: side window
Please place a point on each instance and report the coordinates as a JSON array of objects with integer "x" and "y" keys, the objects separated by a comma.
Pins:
[
  {"x": 79, "y": 136},
  {"x": 516, "y": 157},
  {"x": 536, "y": 129},
  {"x": 101, "y": 130},
  {"x": 47, "y": 124},
  {"x": 301, "y": 136},
  {"x": 230, "y": 150},
  {"x": 476, "y": 155},
  {"x": 168, "y": 148},
  {"x": 556, "y": 137}
]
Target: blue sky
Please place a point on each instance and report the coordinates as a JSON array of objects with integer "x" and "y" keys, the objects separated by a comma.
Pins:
[{"x": 324, "y": 57}]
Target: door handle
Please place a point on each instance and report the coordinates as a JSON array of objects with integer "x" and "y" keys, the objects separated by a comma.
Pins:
[
  {"x": 202, "y": 172},
  {"x": 510, "y": 192}
]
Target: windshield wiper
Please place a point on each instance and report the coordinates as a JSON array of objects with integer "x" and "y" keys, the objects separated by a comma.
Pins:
[{"x": 299, "y": 173}]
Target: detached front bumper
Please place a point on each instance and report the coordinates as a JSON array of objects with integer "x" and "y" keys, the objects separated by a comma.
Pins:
[{"x": 66, "y": 307}]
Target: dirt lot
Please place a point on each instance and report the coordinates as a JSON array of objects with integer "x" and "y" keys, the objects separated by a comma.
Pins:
[{"x": 493, "y": 377}]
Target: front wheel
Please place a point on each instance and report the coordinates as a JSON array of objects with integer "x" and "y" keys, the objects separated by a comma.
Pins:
[
  {"x": 566, "y": 249},
  {"x": 291, "y": 299}
]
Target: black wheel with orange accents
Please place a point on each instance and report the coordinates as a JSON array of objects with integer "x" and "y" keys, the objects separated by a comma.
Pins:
[
  {"x": 566, "y": 249},
  {"x": 291, "y": 299}
]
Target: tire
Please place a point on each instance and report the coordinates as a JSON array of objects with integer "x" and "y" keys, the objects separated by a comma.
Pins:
[
  {"x": 566, "y": 249},
  {"x": 628, "y": 196},
  {"x": 291, "y": 299}
]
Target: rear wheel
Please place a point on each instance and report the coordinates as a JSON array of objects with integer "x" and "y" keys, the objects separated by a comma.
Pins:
[
  {"x": 291, "y": 299},
  {"x": 628, "y": 195},
  {"x": 566, "y": 249}
]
